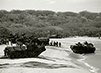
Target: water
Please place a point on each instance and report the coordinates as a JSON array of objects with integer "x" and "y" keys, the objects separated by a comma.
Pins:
[
  {"x": 95, "y": 59},
  {"x": 56, "y": 59},
  {"x": 92, "y": 61}
]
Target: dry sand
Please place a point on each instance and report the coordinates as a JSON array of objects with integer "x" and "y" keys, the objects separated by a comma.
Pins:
[{"x": 40, "y": 70}]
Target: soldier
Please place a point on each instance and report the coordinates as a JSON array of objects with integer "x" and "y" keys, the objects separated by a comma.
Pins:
[
  {"x": 79, "y": 44},
  {"x": 19, "y": 41},
  {"x": 50, "y": 43},
  {"x": 59, "y": 44},
  {"x": 54, "y": 43},
  {"x": 5, "y": 51},
  {"x": 85, "y": 43}
]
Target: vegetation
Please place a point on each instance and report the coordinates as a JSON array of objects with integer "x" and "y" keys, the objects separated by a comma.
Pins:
[{"x": 45, "y": 23}]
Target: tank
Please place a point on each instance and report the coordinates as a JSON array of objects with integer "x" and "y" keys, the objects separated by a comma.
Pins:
[
  {"x": 23, "y": 52},
  {"x": 83, "y": 48}
]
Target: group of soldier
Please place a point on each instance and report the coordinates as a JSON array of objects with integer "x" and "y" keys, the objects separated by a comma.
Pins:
[
  {"x": 85, "y": 44},
  {"x": 55, "y": 43}
]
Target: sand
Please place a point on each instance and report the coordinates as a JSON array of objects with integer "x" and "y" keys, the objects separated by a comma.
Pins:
[
  {"x": 53, "y": 60},
  {"x": 40, "y": 70}
]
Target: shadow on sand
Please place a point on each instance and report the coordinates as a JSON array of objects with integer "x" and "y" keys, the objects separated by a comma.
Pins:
[{"x": 44, "y": 65}]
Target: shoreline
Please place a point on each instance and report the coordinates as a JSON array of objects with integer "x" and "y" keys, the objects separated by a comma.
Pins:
[
  {"x": 53, "y": 55},
  {"x": 91, "y": 68}
]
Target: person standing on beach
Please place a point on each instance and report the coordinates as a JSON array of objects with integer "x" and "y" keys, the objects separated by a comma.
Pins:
[{"x": 59, "y": 44}]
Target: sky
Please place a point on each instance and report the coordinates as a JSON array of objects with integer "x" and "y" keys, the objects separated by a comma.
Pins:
[{"x": 53, "y": 5}]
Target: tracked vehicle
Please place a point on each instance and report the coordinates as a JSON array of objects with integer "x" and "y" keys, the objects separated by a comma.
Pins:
[
  {"x": 23, "y": 52},
  {"x": 83, "y": 48},
  {"x": 33, "y": 48}
]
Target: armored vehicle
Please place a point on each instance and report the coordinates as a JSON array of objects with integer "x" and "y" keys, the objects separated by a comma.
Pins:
[
  {"x": 23, "y": 52},
  {"x": 30, "y": 50},
  {"x": 83, "y": 48},
  {"x": 33, "y": 47}
]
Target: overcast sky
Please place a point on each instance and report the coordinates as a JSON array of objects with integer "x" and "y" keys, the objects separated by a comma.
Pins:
[{"x": 54, "y": 5}]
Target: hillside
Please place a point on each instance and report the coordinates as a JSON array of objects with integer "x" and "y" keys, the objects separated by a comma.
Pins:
[{"x": 43, "y": 23}]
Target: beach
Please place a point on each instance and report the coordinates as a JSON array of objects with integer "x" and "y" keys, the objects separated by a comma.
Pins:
[{"x": 56, "y": 59}]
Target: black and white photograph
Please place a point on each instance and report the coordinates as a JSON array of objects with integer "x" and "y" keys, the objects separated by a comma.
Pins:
[{"x": 50, "y": 36}]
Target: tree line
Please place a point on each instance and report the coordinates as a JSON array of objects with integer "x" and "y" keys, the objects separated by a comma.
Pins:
[{"x": 43, "y": 23}]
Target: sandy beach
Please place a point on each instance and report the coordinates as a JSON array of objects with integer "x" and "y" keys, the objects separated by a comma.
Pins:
[
  {"x": 53, "y": 60},
  {"x": 31, "y": 70}
]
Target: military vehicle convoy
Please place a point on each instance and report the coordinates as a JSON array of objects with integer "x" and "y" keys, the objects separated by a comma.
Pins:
[{"x": 83, "y": 48}]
